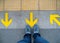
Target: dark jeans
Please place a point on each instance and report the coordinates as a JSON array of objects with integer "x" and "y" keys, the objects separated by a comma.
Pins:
[{"x": 37, "y": 39}]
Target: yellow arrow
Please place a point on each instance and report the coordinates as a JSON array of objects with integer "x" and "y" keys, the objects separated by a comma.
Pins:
[
  {"x": 6, "y": 22},
  {"x": 32, "y": 22},
  {"x": 53, "y": 17}
]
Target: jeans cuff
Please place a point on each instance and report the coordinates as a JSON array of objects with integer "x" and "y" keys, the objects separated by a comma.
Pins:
[
  {"x": 36, "y": 34},
  {"x": 27, "y": 35}
]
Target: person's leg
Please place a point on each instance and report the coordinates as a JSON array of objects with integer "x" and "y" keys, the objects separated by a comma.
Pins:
[
  {"x": 27, "y": 36},
  {"x": 37, "y": 36},
  {"x": 39, "y": 39},
  {"x": 26, "y": 39}
]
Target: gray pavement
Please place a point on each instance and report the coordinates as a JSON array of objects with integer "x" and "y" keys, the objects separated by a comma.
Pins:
[{"x": 16, "y": 31}]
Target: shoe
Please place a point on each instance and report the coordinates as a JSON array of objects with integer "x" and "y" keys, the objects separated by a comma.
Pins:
[
  {"x": 28, "y": 29},
  {"x": 36, "y": 29}
]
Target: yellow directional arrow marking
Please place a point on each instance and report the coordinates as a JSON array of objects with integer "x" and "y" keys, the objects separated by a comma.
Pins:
[
  {"x": 53, "y": 17},
  {"x": 6, "y": 22},
  {"x": 31, "y": 22}
]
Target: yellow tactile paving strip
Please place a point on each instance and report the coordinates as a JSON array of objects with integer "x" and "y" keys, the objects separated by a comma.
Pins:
[
  {"x": 14, "y": 5},
  {"x": 1, "y": 5},
  {"x": 30, "y": 5},
  {"x": 58, "y": 4},
  {"x": 47, "y": 4}
]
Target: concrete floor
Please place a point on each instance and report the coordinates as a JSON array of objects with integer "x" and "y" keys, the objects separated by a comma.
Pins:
[
  {"x": 14, "y": 35},
  {"x": 16, "y": 31}
]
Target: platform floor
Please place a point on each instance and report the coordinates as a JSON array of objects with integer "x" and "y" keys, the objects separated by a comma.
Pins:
[
  {"x": 20, "y": 16},
  {"x": 14, "y": 35},
  {"x": 16, "y": 31}
]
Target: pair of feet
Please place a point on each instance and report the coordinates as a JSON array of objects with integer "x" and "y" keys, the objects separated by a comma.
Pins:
[{"x": 29, "y": 29}]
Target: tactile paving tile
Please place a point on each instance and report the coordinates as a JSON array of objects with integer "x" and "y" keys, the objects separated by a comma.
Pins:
[
  {"x": 47, "y": 4},
  {"x": 29, "y": 4},
  {"x": 58, "y": 4},
  {"x": 12, "y": 5},
  {"x": 1, "y": 5}
]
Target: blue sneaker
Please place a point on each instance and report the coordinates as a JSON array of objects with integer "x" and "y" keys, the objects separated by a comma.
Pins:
[
  {"x": 28, "y": 29},
  {"x": 36, "y": 29}
]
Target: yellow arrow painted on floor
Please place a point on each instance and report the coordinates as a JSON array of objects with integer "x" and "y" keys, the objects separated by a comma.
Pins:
[
  {"x": 31, "y": 22},
  {"x": 6, "y": 22},
  {"x": 53, "y": 17}
]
